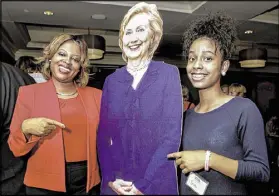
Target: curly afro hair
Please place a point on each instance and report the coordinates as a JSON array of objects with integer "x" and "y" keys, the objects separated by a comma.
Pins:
[{"x": 218, "y": 27}]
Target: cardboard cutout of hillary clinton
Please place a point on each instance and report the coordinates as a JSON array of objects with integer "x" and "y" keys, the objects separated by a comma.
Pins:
[{"x": 141, "y": 112}]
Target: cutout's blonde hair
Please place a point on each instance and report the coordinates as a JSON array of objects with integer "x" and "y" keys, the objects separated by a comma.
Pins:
[
  {"x": 50, "y": 50},
  {"x": 155, "y": 22}
]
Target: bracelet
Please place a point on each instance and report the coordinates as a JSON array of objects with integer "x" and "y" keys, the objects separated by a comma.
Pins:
[{"x": 206, "y": 163}]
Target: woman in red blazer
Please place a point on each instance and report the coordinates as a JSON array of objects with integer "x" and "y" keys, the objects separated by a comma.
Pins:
[{"x": 55, "y": 123}]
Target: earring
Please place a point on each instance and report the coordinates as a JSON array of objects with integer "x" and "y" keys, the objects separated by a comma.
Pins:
[{"x": 223, "y": 73}]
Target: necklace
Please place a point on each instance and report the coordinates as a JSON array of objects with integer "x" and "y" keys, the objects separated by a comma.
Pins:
[
  {"x": 138, "y": 69},
  {"x": 65, "y": 94}
]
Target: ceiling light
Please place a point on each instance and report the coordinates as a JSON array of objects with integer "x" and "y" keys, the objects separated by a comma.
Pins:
[
  {"x": 252, "y": 57},
  {"x": 96, "y": 46},
  {"x": 26, "y": 10},
  {"x": 48, "y": 13},
  {"x": 248, "y": 32},
  {"x": 98, "y": 16}
]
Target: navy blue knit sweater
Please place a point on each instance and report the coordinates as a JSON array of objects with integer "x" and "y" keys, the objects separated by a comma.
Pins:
[{"x": 234, "y": 130}]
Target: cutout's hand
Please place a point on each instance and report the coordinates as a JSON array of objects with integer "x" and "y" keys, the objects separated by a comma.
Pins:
[
  {"x": 121, "y": 187},
  {"x": 134, "y": 191}
]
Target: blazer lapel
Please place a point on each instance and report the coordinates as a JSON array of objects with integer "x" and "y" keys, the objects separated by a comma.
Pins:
[
  {"x": 150, "y": 77},
  {"x": 85, "y": 99},
  {"x": 125, "y": 76},
  {"x": 47, "y": 101},
  {"x": 47, "y": 105}
]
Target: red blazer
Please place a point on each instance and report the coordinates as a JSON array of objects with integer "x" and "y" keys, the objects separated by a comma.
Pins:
[{"x": 46, "y": 165}]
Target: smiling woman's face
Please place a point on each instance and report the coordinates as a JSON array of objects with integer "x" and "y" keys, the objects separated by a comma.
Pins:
[
  {"x": 204, "y": 64},
  {"x": 65, "y": 64},
  {"x": 136, "y": 39}
]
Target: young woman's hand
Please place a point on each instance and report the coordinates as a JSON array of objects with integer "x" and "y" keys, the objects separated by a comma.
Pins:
[{"x": 189, "y": 160}]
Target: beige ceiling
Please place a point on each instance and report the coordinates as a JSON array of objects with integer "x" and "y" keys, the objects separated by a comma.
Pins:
[{"x": 28, "y": 29}]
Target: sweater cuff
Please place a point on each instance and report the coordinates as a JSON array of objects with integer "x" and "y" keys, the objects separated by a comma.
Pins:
[
  {"x": 252, "y": 172},
  {"x": 145, "y": 186},
  {"x": 239, "y": 170},
  {"x": 240, "y": 175}
]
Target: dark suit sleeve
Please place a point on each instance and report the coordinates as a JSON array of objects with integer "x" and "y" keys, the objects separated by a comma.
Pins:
[
  {"x": 11, "y": 79},
  {"x": 12, "y": 168},
  {"x": 160, "y": 169}
]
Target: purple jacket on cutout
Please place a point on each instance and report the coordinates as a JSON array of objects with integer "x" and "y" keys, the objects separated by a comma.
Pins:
[{"x": 138, "y": 128}]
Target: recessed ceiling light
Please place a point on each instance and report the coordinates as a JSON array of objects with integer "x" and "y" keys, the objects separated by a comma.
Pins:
[
  {"x": 248, "y": 32},
  {"x": 48, "y": 13},
  {"x": 26, "y": 10},
  {"x": 98, "y": 16}
]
